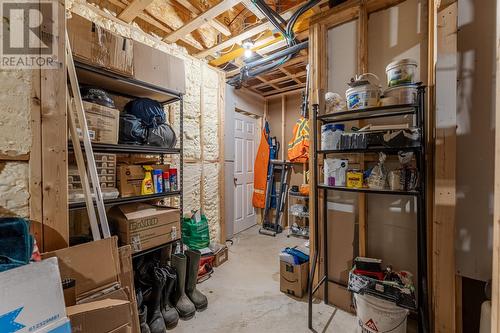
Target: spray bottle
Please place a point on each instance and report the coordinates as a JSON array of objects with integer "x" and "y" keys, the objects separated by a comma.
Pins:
[{"x": 147, "y": 183}]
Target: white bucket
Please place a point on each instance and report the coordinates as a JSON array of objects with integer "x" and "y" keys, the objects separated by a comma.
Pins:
[
  {"x": 406, "y": 94},
  {"x": 362, "y": 96},
  {"x": 378, "y": 316},
  {"x": 401, "y": 72}
]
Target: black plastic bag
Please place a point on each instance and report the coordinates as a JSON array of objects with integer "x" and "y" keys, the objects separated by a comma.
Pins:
[
  {"x": 132, "y": 131},
  {"x": 149, "y": 111}
]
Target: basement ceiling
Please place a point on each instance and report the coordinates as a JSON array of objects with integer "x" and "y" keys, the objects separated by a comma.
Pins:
[{"x": 215, "y": 30}]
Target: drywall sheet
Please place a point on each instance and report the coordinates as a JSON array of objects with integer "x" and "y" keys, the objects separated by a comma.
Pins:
[
  {"x": 342, "y": 56},
  {"x": 475, "y": 137}
]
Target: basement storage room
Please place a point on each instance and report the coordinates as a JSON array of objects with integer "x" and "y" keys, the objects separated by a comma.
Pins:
[{"x": 249, "y": 166}]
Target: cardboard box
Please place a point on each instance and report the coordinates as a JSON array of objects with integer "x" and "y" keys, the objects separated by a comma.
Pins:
[
  {"x": 221, "y": 256},
  {"x": 293, "y": 278},
  {"x": 127, "y": 282},
  {"x": 106, "y": 316},
  {"x": 31, "y": 299},
  {"x": 145, "y": 226},
  {"x": 95, "y": 266},
  {"x": 96, "y": 46},
  {"x": 102, "y": 123},
  {"x": 129, "y": 178},
  {"x": 158, "y": 68}
]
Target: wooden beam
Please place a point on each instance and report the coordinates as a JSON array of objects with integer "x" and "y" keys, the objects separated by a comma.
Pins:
[
  {"x": 221, "y": 102},
  {"x": 216, "y": 24},
  {"x": 495, "y": 309},
  {"x": 293, "y": 76},
  {"x": 133, "y": 10},
  {"x": 236, "y": 39},
  {"x": 266, "y": 82},
  {"x": 362, "y": 66},
  {"x": 239, "y": 51},
  {"x": 294, "y": 87},
  {"x": 54, "y": 141},
  {"x": 281, "y": 79},
  {"x": 201, "y": 19},
  {"x": 248, "y": 33},
  {"x": 251, "y": 7}
]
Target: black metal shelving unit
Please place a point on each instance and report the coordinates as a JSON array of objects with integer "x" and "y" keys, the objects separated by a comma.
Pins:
[
  {"x": 131, "y": 88},
  {"x": 418, "y": 111}
]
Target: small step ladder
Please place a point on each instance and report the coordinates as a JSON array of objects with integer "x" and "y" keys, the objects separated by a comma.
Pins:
[{"x": 268, "y": 227}]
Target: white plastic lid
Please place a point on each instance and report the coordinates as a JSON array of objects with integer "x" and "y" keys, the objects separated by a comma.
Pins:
[{"x": 406, "y": 61}]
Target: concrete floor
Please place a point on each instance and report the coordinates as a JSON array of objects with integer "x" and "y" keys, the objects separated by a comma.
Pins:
[{"x": 244, "y": 294}]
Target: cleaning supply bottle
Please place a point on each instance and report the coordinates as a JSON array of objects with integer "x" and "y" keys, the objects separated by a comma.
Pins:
[{"x": 147, "y": 183}]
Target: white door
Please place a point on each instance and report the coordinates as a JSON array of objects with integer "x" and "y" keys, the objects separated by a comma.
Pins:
[{"x": 245, "y": 150}]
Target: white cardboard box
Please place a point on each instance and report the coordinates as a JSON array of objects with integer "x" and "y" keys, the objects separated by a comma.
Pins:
[{"x": 32, "y": 299}]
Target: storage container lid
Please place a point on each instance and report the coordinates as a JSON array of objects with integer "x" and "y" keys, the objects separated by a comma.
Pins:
[
  {"x": 401, "y": 86},
  {"x": 407, "y": 61}
]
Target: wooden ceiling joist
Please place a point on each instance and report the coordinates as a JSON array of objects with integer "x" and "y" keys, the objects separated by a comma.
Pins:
[
  {"x": 135, "y": 8},
  {"x": 200, "y": 20},
  {"x": 251, "y": 7},
  {"x": 236, "y": 39},
  {"x": 216, "y": 24}
]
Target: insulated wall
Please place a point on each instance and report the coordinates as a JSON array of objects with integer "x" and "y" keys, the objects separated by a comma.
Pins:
[{"x": 203, "y": 110}]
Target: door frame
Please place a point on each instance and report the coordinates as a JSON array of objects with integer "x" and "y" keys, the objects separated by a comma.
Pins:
[{"x": 229, "y": 168}]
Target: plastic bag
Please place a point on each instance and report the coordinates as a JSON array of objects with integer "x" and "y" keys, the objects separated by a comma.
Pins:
[
  {"x": 149, "y": 111},
  {"x": 162, "y": 136},
  {"x": 195, "y": 235},
  {"x": 378, "y": 175},
  {"x": 131, "y": 130}
]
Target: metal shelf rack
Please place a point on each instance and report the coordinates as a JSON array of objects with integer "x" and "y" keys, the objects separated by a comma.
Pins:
[
  {"x": 418, "y": 111},
  {"x": 131, "y": 88}
]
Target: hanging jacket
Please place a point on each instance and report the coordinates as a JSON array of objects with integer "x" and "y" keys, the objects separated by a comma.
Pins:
[
  {"x": 298, "y": 147},
  {"x": 261, "y": 170}
]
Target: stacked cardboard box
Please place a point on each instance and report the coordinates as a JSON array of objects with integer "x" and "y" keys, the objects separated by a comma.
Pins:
[
  {"x": 104, "y": 287},
  {"x": 96, "y": 46},
  {"x": 102, "y": 122}
]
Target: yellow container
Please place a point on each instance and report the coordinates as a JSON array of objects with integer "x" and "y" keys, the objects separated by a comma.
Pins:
[{"x": 354, "y": 179}]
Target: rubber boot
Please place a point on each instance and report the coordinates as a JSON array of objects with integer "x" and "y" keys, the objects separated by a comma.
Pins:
[
  {"x": 199, "y": 300},
  {"x": 143, "y": 314},
  {"x": 182, "y": 303},
  {"x": 155, "y": 318},
  {"x": 170, "y": 315}
]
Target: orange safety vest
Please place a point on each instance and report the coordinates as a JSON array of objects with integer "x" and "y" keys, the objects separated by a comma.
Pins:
[
  {"x": 260, "y": 172},
  {"x": 298, "y": 147}
]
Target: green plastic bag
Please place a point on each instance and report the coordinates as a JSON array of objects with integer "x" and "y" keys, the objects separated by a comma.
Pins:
[{"x": 195, "y": 235}]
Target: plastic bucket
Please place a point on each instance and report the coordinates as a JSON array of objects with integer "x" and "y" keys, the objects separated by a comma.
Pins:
[
  {"x": 406, "y": 94},
  {"x": 401, "y": 72},
  {"x": 378, "y": 316},
  {"x": 362, "y": 96}
]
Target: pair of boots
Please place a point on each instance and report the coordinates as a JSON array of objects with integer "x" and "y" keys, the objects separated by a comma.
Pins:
[
  {"x": 160, "y": 313},
  {"x": 187, "y": 298}
]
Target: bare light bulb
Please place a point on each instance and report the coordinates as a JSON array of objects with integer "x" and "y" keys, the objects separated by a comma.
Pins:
[{"x": 248, "y": 53}]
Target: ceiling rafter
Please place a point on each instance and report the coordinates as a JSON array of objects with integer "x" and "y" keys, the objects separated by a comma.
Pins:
[
  {"x": 154, "y": 22},
  {"x": 215, "y": 23},
  {"x": 200, "y": 20},
  {"x": 133, "y": 10},
  {"x": 251, "y": 7},
  {"x": 281, "y": 79}
]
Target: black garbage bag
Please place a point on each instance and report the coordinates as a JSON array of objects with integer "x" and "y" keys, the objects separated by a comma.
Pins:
[
  {"x": 162, "y": 136},
  {"x": 132, "y": 130},
  {"x": 97, "y": 96},
  {"x": 149, "y": 111}
]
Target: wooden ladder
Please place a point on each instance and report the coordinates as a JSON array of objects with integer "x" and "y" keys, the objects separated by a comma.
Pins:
[{"x": 75, "y": 106}]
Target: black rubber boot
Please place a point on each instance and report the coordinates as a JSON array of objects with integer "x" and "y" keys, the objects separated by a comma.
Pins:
[
  {"x": 170, "y": 315},
  {"x": 199, "y": 300},
  {"x": 143, "y": 314},
  {"x": 155, "y": 318},
  {"x": 182, "y": 303}
]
